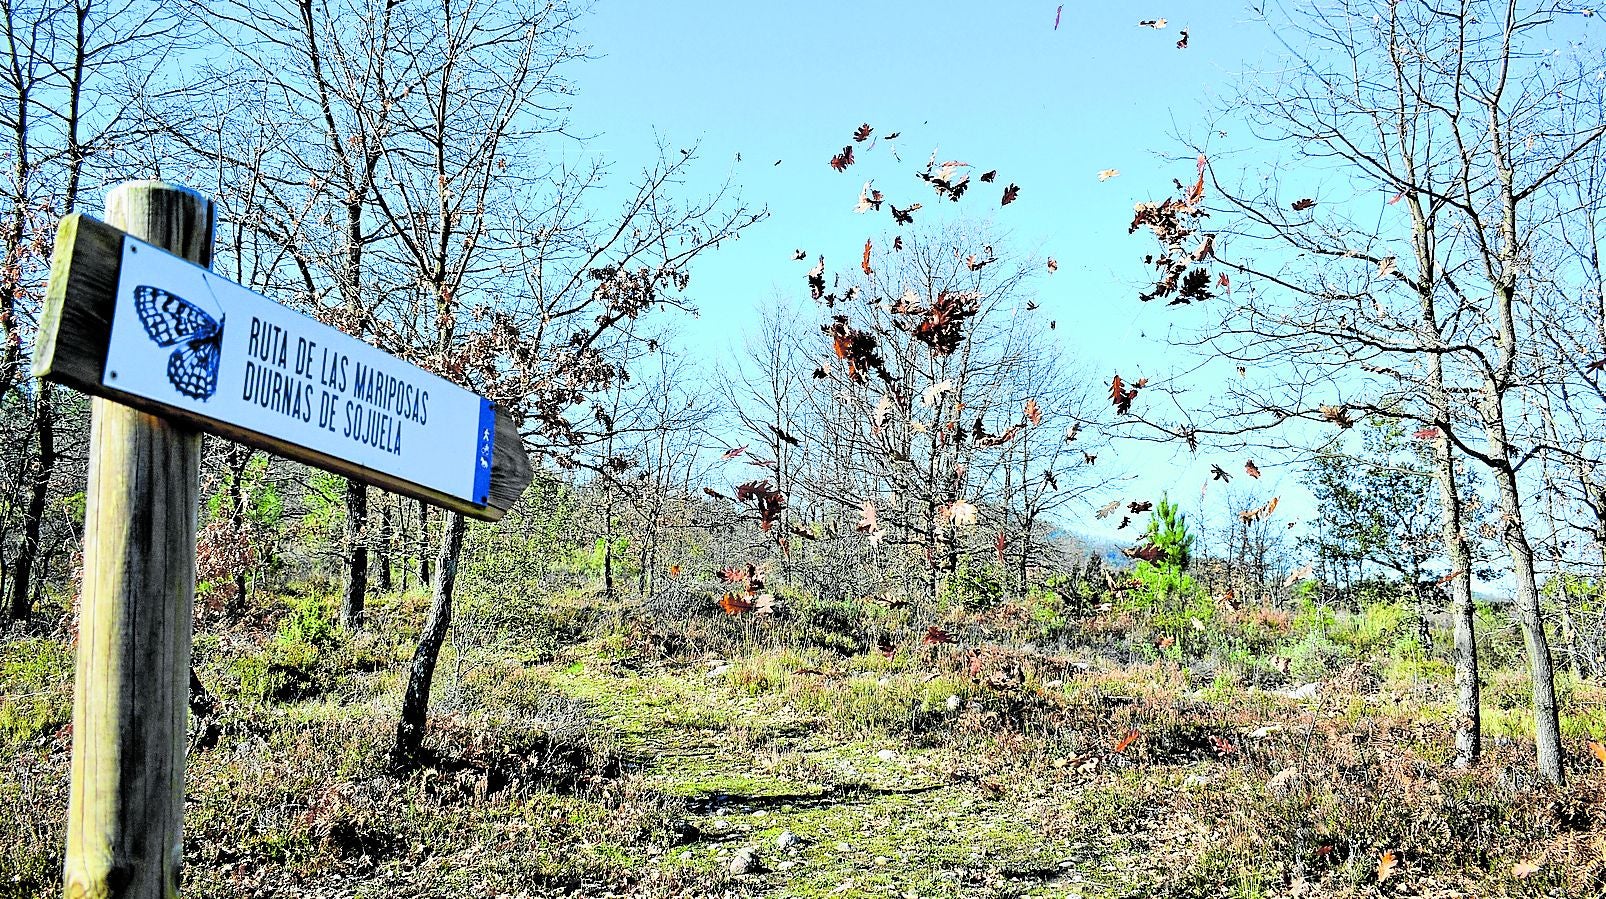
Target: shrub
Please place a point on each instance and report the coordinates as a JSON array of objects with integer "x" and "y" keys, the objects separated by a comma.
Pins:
[
  {"x": 972, "y": 586},
  {"x": 1367, "y": 631},
  {"x": 1312, "y": 656},
  {"x": 311, "y": 621}
]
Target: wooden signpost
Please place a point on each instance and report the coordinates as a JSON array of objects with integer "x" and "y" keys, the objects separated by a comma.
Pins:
[{"x": 134, "y": 317}]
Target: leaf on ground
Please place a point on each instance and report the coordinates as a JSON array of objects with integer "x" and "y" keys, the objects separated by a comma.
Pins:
[{"x": 1387, "y": 866}]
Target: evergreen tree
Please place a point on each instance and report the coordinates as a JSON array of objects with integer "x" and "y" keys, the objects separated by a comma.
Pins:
[{"x": 1168, "y": 529}]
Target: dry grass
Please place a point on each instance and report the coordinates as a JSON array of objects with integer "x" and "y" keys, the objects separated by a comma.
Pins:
[{"x": 584, "y": 749}]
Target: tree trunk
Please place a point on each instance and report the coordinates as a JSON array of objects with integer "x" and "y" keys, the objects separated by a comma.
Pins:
[
  {"x": 382, "y": 546},
  {"x": 415, "y": 703},
  {"x": 423, "y": 544},
  {"x": 356, "y": 589},
  {"x": 1468, "y": 720},
  {"x": 607, "y": 544},
  {"x": 1547, "y": 724},
  {"x": 22, "y": 586},
  {"x": 239, "y": 460}
]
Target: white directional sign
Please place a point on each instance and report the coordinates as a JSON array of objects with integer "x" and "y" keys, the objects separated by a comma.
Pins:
[{"x": 189, "y": 339}]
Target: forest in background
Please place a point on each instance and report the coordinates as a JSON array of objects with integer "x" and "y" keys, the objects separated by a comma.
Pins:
[{"x": 904, "y": 468}]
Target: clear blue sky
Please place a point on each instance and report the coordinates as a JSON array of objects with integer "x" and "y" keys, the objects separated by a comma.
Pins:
[
  {"x": 1000, "y": 87},
  {"x": 997, "y": 87}
]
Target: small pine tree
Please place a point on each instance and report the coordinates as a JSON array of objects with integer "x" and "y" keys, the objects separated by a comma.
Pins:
[{"x": 1168, "y": 529}]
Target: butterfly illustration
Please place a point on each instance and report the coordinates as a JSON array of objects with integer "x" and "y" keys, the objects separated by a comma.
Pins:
[{"x": 170, "y": 319}]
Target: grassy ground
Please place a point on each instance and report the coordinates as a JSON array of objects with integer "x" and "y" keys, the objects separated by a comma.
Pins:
[{"x": 583, "y": 746}]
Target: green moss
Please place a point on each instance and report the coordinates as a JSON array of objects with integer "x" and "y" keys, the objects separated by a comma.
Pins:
[{"x": 35, "y": 689}]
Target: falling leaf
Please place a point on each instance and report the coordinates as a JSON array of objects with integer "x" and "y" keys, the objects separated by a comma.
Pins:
[
  {"x": 1152, "y": 23},
  {"x": 798, "y": 254},
  {"x": 817, "y": 280},
  {"x": 1387, "y": 864},
  {"x": 883, "y": 408},
  {"x": 897, "y": 242},
  {"x": 1225, "y": 283},
  {"x": 931, "y": 395},
  {"x": 1397, "y": 198},
  {"x": 1052, "y": 265},
  {"x": 1010, "y": 193},
  {"x": 1251, "y": 469},
  {"x": 867, "y": 517},
  {"x": 1148, "y": 552},
  {"x": 783, "y": 436},
  {"x": 1297, "y": 575},
  {"x": 842, "y": 160},
  {"x": 1524, "y": 870},
  {"x": 1304, "y": 204},
  {"x": 767, "y": 501},
  {"x": 1121, "y": 396},
  {"x": 869, "y": 198},
  {"x": 1138, "y": 508},
  {"x": 905, "y": 216},
  {"x": 858, "y": 348},
  {"x": 733, "y": 452},
  {"x": 1127, "y": 740},
  {"x": 959, "y": 513},
  {"x": 1033, "y": 413},
  {"x": 1183, "y": 44},
  {"x": 1385, "y": 266},
  {"x": 1107, "y": 174},
  {"x": 936, "y": 636},
  {"x": 988, "y": 176},
  {"x": 865, "y": 263},
  {"x": 1217, "y": 473},
  {"x": 734, "y": 605},
  {"x": 1427, "y": 433},
  {"x": 1338, "y": 415},
  {"x": 1057, "y": 16},
  {"x": 885, "y": 646},
  {"x": 1108, "y": 508},
  {"x": 862, "y": 133}
]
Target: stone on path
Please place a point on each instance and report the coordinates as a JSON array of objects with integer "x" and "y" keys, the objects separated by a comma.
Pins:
[{"x": 746, "y": 861}]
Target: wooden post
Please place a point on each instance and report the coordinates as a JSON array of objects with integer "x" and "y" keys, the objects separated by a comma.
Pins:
[{"x": 130, "y": 707}]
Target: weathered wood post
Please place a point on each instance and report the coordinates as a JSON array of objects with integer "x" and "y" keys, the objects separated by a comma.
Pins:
[{"x": 130, "y": 703}]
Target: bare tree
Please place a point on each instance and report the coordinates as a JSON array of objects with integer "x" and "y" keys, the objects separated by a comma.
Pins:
[
  {"x": 62, "y": 66},
  {"x": 1439, "y": 113}
]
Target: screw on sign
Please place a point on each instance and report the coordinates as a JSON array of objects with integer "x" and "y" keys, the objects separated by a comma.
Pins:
[{"x": 134, "y": 317}]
